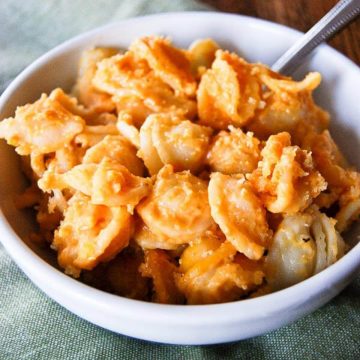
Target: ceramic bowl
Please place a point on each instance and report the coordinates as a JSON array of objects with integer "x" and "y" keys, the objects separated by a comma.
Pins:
[{"x": 254, "y": 39}]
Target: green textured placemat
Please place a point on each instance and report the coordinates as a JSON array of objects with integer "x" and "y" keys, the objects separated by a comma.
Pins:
[{"x": 32, "y": 326}]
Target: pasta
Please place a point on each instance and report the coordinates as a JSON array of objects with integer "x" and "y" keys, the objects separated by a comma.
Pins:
[
  {"x": 148, "y": 240},
  {"x": 201, "y": 55},
  {"x": 117, "y": 148},
  {"x": 159, "y": 267},
  {"x": 172, "y": 140},
  {"x": 42, "y": 127},
  {"x": 107, "y": 183},
  {"x": 286, "y": 179},
  {"x": 304, "y": 244},
  {"x": 233, "y": 152},
  {"x": 184, "y": 176},
  {"x": 212, "y": 272},
  {"x": 90, "y": 233},
  {"x": 84, "y": 89},
  {"x": 288, "y": 106},
  {"x": 227, "y": 94},
  {"x": 169, "y": 63},
  {"x": 239, "y": 213},
  {"x": 173, "y": 198}
]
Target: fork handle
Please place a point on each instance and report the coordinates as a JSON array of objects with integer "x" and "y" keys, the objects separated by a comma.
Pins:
[{"x": 339, "y": 16}]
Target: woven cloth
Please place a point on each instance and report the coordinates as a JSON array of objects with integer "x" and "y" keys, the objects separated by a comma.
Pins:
[{"x": 32, "y": 326}]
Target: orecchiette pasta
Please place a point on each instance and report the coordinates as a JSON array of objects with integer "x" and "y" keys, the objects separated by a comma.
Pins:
[
  {"x": 234, "y": 152},
  {"x": 124, "y": 75},
  {"x": 238, "y": 211},
  {"x": 117, "y": 148},
  {"x": 211, "y": 272},
  {"x": 287, "y": 105},
  {"x": 169, "y": 63},
  {"x": 202, "y": 54},
  {"x": 286, "y": 178},
  {"x": 159, "y": 267},
  {"x": 38, "y": 164},
  {"x": 184, "y": 176},
  {"x": 303, "y": 245},
  {"x": 166, "y": 139},
  {"x": 178, "y": 205},
  {"x": 84, "y": 90},
  {"x": 107, "y": 183},
  {"x": 149, "y": 241},
  {"x": 42, "y": 127},
  {"x": 71, "y": 104},
  {"x": 292, "y": 255},
  {"x": 90, "y": 234},
  {"x": 227, "y": 93}
]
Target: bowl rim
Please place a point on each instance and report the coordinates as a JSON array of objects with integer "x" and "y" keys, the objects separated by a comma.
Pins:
[{"x": 231, "y": 312}]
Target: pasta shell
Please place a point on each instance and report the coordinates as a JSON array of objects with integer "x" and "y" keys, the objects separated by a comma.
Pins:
[
  {"x": 149, "y": 241},
  {"x": 177, "y": 207},
  {"x": 212, "y": 273},
  {"x": 166, "y": 139},
  {"x": 42, "y": 127},
  {"x": 234, "y": 152},
  {"x": 202, "y": 54},
  {"x": 117, "y": 148},
  {"x": 228, "y": 94},
  {"x": 292, "y": 255},
  {"x": 159, "y": 267},
  {"x": 90, "y": 234},
  {"x": 239, "y": 213},
  {"x": 107, "y": 183},
  {"x": 303, "y": 245},
  {"x": 286, "y": 178},
  {"x": 84, "y": 90},
  {"x": 168, "y": 62}
]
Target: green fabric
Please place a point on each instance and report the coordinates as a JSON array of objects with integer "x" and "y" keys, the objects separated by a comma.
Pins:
[{"x": 32, "y": 326}]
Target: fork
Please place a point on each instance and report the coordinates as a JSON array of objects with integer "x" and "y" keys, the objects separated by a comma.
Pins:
[{"x": 339, "y": 16}]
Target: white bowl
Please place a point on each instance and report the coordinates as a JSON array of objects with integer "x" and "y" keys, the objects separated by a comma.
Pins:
[{"x": 256, "y": 40}]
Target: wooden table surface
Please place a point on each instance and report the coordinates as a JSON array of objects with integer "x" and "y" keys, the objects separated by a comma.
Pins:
[{"x": 298, "y": 14}]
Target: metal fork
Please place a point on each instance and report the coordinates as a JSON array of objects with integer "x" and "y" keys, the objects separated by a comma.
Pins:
[{"x": 339, "y": 16}]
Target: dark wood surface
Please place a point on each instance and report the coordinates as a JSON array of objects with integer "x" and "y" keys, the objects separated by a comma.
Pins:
[{"x": 298, "y": 14}]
